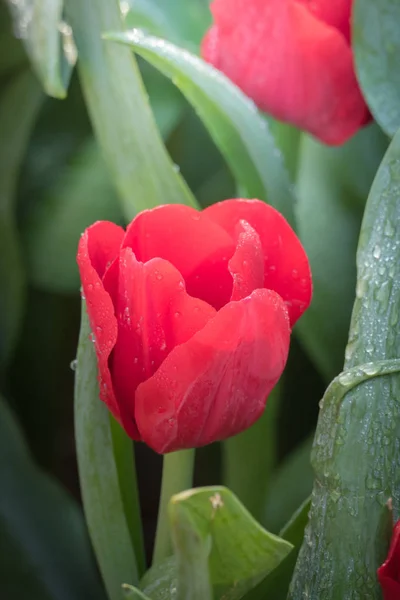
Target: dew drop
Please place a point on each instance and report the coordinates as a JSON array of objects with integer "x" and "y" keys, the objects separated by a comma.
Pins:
[
  {"x": 73, "y": 364},
  {"x": 371, "y": 369},
  {"x": 377, "y": 252},
  {"x": 346, "y": 379},
  {"x": 389, "y": 229}
]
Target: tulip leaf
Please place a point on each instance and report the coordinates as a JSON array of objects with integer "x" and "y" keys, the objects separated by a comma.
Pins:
[
  {"x": 106, "y": 468},
  {"x": 356, "y": 443},
  {"x": 81, "y": 193},
  {"x": 275, "y": 586},
  {"x": 376, "y": 46},
  {"x": 241, "y": 133},
  {"x": 181, "y": 22},
  {"x": 19, "y": 105},
  {"x": 214, "y": 535},
  {"x": 48, "y": 41},
  {"x": 120, "y": 112},
  {"x": 220, "y": 550},
  {"x": 44, "y": 547},
  {"x": 333, "y": 185}
]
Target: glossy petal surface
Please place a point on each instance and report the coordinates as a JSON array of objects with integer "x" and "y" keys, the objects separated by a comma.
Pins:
[
  {"x": 216, "y": 384},
  {"x": 247, "y": 264},
  {"x": 200, "y": 250},
  {"x": 286, "y": 267},
  {"x": 154, "y": 314},
  {"x": 293, "y": 58},
  {"x": 98, "y": 247},
  {"x": 389, "y": 572}
]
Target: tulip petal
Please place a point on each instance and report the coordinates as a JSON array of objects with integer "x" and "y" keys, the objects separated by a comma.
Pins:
[
  {"x": 290, "y": 62},
  {"x": 389, "y": 572},
  {"x": 154, "y": 315},
  {"x": 287, "y": 270},
  {"x": 247, "y": 264},
  {"x": 216, "y": 384},
  {"x": 198, "y": 248},
  {"x": 336, "y": 13},
  {"x": 98, "y": 247}
]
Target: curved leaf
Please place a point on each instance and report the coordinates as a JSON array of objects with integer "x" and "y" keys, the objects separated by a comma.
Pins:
[
  {"x": 44, "y": 548},
  {"x": 356, "y": 443},
  {"x": 376, "y": 46},
  {"x": 19, "y": 105},
  {"x": 333, "y": 185},
  {"x": 109, "y": 497},
  {"x": 181, "y": 22},
  {"x": 48, "y": 40},
  {"x": 141, "y": 168},
  {"x": 220, "y": 550},
  {"x": 239, "y": 130}
]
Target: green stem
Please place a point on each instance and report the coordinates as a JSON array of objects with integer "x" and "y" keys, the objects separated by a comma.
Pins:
[{"x": 177, "y": 476}]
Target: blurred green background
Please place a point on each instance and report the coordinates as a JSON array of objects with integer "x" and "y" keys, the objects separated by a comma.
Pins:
[{"x": 53, "y": 183}]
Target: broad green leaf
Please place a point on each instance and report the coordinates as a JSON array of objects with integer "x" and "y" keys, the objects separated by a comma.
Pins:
[
  {"x": 215, "y": 537},
  {"x": 333, "y": 185},
  {"x": 249, "y": 458},
  {"x": 48, "y": 40},
  {"x": 159, "y": 583},
  {"x": 241, "y": 133},
  {"x": 80, "y": 194},
  {"x": 19, "y": 105},
  {"x": 217, "y": 542},
  {"x": 290, "y": 485},
  {"x": 356, "y": 443},
  {"x": 109, "y": 498},
  {"x": 120, "y": 112},
  {"x": 180, "y": 22},
  {"x": 276, "y": 585},
  {"x": 44, "y": 548},
  {"x": 376, "y": 46},
  {"x": 166, "y": 102}
]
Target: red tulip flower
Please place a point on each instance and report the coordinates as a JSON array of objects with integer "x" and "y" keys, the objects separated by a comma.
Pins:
[
  {"x": 389, "y": 572},
  {"x": 191, "y": 315},
  {"x": 294, "y": 59}
]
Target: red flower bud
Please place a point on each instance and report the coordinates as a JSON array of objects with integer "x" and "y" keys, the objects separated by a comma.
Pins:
[
  {"x": 294, "y": 59},
  {"x": 191, "y": 313},
  {"x": 389, "y": 572}
]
